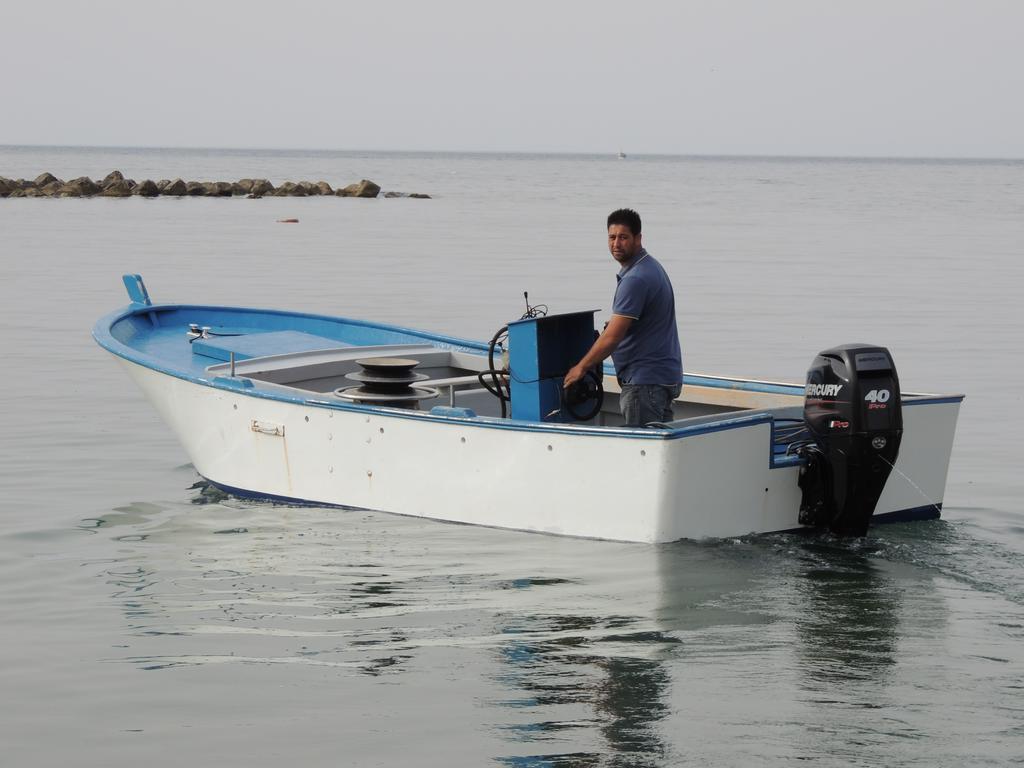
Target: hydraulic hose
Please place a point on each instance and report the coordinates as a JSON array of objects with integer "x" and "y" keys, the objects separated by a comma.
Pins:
[{"x": 497, "y": 390}]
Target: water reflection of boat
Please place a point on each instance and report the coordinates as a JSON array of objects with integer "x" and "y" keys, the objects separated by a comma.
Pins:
[
  {"x": 572, "y": 653},
  {"x": 719, "y": 634},
  {"x": 848, "y": 625}
]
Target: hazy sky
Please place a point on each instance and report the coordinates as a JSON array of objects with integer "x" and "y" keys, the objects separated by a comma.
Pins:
[{"x": 803, "y": 77}]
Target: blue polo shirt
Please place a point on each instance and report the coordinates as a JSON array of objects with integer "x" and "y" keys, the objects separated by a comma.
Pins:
[{"x": 649, "y": 353}]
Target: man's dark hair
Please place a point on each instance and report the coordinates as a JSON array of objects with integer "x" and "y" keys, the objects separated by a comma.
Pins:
[{"x": 626, "y": 216}]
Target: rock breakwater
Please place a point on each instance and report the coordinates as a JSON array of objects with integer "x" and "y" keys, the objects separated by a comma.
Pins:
[{"x": 114, "y": 184}]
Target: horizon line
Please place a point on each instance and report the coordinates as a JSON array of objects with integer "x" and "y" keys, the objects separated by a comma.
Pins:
[{"x": 694, "y": 155}]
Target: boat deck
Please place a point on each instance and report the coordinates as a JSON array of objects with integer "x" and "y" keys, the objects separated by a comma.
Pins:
[
  {"x": 305, "y": 358},
  {"x": 313, "y": 360}
]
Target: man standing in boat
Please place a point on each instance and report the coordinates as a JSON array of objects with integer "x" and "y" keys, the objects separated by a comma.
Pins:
[{"x": 641, "y": 337}]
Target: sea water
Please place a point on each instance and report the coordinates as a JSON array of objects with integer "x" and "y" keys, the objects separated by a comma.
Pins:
[{"x": 145, "y": 619}]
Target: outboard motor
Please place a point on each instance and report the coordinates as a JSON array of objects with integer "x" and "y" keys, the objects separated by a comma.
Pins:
[{"x": 852, "y": 409}]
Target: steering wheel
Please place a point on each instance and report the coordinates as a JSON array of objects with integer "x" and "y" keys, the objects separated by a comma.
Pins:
[{"x": 589, "y": 389}]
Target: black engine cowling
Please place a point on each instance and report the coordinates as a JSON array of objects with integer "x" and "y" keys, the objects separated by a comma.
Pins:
[{"x": 852, "y": 409}]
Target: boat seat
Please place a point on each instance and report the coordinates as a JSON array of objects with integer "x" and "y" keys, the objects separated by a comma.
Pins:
[{"x": 249, "y": 345}]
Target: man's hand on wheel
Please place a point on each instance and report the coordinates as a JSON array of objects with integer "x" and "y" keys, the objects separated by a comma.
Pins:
[{"x": 575, "y": 373}]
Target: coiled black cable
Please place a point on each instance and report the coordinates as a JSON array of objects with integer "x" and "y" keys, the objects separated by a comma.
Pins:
[{"x": 501, "y": 388}]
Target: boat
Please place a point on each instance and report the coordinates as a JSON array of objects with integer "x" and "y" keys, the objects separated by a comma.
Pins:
[
  {"x": 622, "y": 155},
  {"x": 301, "y": 408}
]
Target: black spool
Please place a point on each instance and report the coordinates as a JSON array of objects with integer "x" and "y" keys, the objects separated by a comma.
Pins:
[{"x": 387, "y": 381}]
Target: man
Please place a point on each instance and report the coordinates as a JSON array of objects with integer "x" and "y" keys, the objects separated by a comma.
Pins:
[{"x": 641, "y": 337}]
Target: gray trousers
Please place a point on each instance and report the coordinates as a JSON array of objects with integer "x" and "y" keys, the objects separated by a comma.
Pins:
[{"x": 644, "y": 404}]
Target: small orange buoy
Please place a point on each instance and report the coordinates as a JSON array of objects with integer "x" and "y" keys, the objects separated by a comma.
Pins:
[{"x": 287, "y": 221}]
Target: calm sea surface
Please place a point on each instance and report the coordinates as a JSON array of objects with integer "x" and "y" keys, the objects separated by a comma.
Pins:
[{"x": 143, "y": 621}]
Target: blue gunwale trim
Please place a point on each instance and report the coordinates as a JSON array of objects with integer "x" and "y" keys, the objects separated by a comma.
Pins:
[
  {"x": 101, "y": 330},
  {"x": 716, "y": 382},
  {"x": 103, "y": 336}
]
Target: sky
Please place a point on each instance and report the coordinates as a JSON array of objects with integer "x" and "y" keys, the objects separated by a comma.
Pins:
[{"x": 877, "y": 78}]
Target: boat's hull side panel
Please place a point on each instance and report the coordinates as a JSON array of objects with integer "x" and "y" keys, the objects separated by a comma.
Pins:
[
  {"x": 722, "y": 484},
  {"x": 608, "y": 486},
  {"x": 528, "y": 480},
  {"x": 919, "y": 476}
]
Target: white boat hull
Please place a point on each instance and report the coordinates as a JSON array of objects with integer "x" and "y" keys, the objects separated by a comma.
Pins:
[{"x": 586, "y": 482}]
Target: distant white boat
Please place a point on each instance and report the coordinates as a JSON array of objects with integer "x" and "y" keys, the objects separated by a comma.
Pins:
[{"x": 622, "y": 155}]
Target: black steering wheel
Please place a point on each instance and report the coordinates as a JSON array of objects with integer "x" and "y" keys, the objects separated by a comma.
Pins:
[{"x": 589, "y": 389}]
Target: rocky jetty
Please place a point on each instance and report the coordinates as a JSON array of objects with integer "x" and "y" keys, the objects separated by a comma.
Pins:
[{"x": 114, "y": 184}]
